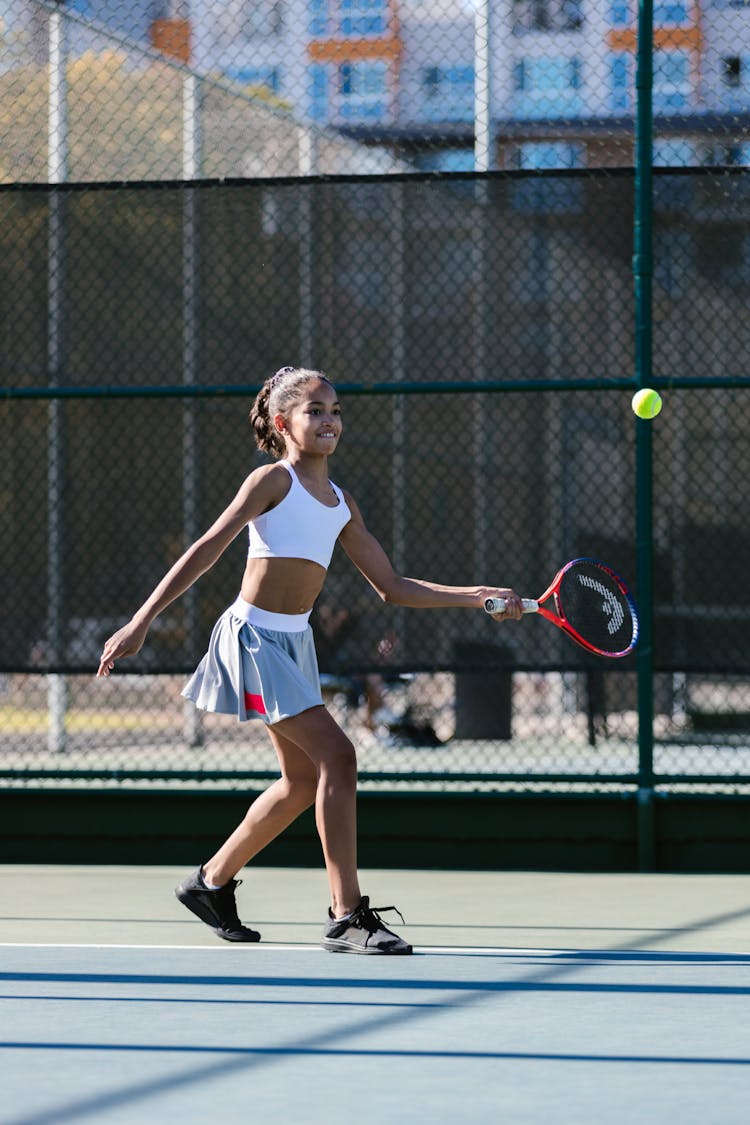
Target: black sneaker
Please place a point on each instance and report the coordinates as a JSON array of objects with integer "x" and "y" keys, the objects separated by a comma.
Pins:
[
  {"x": 216, "y": 908},
  {"x": 363, "y": 931}
]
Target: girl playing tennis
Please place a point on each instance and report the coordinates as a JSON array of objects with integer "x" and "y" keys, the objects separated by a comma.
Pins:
[{"x": 261, "y": 661}]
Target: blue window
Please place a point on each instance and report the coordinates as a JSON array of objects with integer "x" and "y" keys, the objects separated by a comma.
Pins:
[
  {"x": 363, "y": 91},
  {"x": 576, "y": 74},
  {"x": 257, "y": 76},
  {"x": 317, "y": 17},
  {"x": 620, "y": 82},
  {"x": 363, "y": 17},
  {"x": 672, "y": 87},
  {"x": 447, "y": 93},
  {"x": 548, "y": 74},
  {"x": 447, "y": 160},
  {"x": 670, "y": 13},
  {"x": 548, "y": 154},
  {"x": 548, "y": 87},
  {"x": 666, "y": 12},
  {"x": 317, "y": 78},
  {"x": 675, "y": 152}
]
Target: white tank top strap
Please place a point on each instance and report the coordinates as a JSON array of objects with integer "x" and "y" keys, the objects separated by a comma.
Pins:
[{"x": 296, "y": 481}]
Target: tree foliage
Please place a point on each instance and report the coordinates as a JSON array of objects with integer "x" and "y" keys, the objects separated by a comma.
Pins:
[{"x": 125, "y": 122}]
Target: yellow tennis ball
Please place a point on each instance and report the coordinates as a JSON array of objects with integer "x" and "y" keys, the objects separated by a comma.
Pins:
[{"x": 646, "y": 403}]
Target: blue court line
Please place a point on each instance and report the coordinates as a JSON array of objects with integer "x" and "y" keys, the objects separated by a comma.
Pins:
[
  {"x": 315, "y": 1003},
  {"x": 355, "y": 1052},
  {"x": 475, "y": 986},
  {"x": 588, "y": 957},
  {"x": 670, "y": 957}
]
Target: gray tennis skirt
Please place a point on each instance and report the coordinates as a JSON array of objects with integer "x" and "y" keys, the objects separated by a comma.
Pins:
[{"x": 259, "y": 665}]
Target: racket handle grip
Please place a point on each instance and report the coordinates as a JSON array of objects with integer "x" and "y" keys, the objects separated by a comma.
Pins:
[{"x": 497, "y": 605}]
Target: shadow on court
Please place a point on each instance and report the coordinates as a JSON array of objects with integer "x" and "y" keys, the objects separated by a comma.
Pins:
[
  {"x": 417, "y": 1033},
  {"x": 628, "y": 1028}
]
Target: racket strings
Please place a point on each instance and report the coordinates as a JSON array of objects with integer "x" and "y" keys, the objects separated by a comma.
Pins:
[{"x": 596, "y": 607}]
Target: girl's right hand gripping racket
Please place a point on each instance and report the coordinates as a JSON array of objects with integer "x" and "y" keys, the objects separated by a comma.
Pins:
[{"x": 590, "y": 603}]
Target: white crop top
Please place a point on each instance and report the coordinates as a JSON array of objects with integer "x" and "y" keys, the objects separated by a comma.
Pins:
[{"x": 299, "y": 527}]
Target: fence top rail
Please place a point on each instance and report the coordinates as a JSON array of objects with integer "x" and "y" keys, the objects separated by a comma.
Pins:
[
  {"x": 416, "y": 176},
  {"x": 595, "y": 173},
  {"x": 492, "y": 386}
]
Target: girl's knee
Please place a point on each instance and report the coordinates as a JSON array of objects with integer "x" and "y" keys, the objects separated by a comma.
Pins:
[
  {"x": 339, "y": 758},
  {"x": 302, "y": 787}
]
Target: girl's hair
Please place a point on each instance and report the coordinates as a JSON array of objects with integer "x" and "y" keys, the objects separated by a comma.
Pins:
[{"x": 276, "y": 396}]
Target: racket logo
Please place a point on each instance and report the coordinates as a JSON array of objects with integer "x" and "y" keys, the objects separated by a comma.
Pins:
[{"x": 611, "y": 606}]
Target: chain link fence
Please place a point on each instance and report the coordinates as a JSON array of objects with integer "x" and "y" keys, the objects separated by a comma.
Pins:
[{"x": 433, "y": 202}]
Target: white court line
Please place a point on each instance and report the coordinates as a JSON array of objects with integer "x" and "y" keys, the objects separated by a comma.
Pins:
[
  {"x": 421, "y": 950},
  {"x": 443, "y": 950}
]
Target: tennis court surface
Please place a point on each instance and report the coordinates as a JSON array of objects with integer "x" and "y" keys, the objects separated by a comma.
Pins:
[{"x": 531, "y": 997}]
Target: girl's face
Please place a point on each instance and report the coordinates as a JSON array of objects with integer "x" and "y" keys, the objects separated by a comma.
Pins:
[{"x": 313, "y": 423}]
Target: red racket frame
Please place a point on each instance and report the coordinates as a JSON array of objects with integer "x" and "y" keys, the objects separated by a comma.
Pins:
[{"x": 559, "y": 619}]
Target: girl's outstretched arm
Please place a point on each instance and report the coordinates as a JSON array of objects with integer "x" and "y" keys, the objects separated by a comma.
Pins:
[
  {"x": 369, "y": 557},
  {"x": 261, "y": 490}
]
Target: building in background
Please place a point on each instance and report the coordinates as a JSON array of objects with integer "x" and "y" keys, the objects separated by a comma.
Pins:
[
  {"x": 401, "y": 72},
  {"x": 562, "y": 74}
]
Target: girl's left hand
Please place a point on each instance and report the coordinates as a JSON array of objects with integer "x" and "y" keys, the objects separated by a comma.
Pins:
[
  {"x": 125, "y": 642},
  {"x": 513, "y": 605}
]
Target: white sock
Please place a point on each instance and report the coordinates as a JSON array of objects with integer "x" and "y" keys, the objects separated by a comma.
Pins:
[{"x": 210, "y": 886}]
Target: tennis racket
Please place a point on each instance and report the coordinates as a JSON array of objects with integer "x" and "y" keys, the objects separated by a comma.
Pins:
[{"x": 589, "y": 602}]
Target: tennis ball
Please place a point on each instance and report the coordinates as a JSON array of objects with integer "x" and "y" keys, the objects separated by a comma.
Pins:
[{"x": 646, "y": 403}]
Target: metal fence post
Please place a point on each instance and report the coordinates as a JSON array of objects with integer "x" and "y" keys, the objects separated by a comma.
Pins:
[
  {"x": 483, "y": 161},
  {"x": 57, "y": 173},
  {"x": 191, "y": 167},
  {"x": 397, "y": 305},
  {"x": 307, "y": 158},
  {"x": 482, "y": 87},
  {"x": 642, "y": 275}
]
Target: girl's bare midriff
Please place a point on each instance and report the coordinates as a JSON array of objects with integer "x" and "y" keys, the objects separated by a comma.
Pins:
[{"x": 282, "y": 585}]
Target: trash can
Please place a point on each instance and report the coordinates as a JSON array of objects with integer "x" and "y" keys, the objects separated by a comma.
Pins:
[{"x": 484, "y": 682}]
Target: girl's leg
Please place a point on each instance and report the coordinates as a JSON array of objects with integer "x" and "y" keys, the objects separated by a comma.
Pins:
[
  {"x": 318, "y": 763},
  {"x": 322, "y": 740},
  {"x": 270, "y": 813}
]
